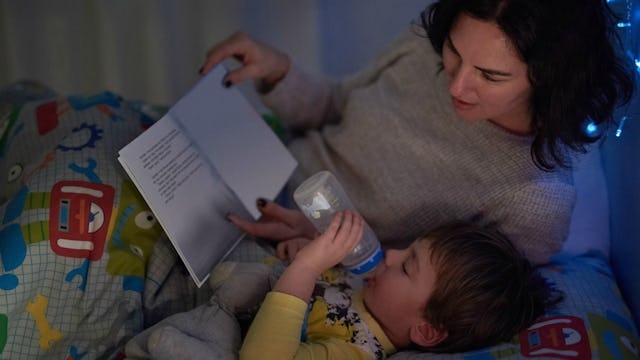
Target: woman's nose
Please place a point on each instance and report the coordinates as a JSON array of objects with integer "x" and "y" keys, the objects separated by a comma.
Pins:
[{"x": 460, "y": 82}]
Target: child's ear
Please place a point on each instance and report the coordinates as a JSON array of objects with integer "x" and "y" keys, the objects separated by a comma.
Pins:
[{"x": 426, "y": 335}]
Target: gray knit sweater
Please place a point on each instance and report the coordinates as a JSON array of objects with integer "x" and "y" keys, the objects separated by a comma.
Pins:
[{"x": 408, "y": 163}]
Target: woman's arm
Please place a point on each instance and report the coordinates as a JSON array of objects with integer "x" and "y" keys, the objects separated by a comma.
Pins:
[{"x": 304, "y": 100}]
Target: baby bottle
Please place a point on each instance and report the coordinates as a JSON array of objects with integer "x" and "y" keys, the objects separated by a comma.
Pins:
[{"x": 320, "y": 197}]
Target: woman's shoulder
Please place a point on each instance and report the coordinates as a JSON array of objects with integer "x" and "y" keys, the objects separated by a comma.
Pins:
[{"x": 412, "y": 39}]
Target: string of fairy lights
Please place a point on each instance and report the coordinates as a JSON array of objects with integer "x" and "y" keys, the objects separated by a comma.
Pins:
[{"x": 629, "y": 31}]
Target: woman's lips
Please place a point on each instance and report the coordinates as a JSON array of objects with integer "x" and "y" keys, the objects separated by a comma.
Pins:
[{"x": 461, "y": 105}]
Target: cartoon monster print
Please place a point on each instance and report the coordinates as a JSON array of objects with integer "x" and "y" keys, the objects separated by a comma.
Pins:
[
  {"x": 38, "y": 310},
  {"x": 74, "y": 217},
  {"x": 88, "y": 171},
  {"x": 135, "y": 232},
  {"x": 13, "y": 248},
  {"x": 614, "y": 337},
  {"x": 103, "y": 102},
  {"x": 4, "y": 325},
  {"x": 81, "y": 137},
  {"x": 74, "y": 354},
  {"x": 562, "y": 337},
  {"x": 9, "y": 130},
  {"x": 79, "y": 218},
  {"x": 48, "y": 114}
]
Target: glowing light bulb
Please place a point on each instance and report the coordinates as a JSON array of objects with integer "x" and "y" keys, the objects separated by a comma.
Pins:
[
  {"x": 619, "y": 129},
  {"x": 591, "y": 128}
]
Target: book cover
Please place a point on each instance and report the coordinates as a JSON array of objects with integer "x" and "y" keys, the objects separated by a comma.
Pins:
[{"x": 210, "y": 155}]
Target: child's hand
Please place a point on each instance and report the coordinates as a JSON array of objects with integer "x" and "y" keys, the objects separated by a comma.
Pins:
[
  {"x": 330, "y": 248},
  {"x": 323, "y": 252}
]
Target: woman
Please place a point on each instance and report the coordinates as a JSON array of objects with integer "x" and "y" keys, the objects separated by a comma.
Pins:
[{"x": 475, "y": 124}]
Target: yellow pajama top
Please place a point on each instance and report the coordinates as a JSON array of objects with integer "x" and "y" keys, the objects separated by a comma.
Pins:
[{"x": 334, "y": 325}]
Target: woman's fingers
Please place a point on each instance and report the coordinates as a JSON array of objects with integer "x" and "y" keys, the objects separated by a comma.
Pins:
[
  {"x": 294, "y": 219},
  {"x": 259, "y": 60},
  {"x": 235, "y": 46},
  {"x": 269, "y": 230}
]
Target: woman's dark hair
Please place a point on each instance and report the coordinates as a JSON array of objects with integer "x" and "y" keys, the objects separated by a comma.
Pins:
[{"x": 575, "y": 59}]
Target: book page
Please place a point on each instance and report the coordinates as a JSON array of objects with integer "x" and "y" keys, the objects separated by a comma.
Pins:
[
  {"x": 210, "y": 155},
  {"x": 185, "y": 193},
  {"x": 235, "y": 139}
]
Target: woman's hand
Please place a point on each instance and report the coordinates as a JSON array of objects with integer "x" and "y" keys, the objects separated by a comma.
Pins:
[
  {"x": 277, "y": 223},
  {"x": 259, "y": 61}
]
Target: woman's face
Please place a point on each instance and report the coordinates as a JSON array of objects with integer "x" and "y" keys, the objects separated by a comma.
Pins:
[{"x": 487, "y": 78}]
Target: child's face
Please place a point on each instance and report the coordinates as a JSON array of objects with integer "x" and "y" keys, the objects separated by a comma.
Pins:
[{"x": 397, "y": 292}]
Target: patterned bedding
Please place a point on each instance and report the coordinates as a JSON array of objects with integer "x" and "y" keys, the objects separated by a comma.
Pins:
[
  {"x": 84, "y": 263},
  {"x": 84, "y": 266}
]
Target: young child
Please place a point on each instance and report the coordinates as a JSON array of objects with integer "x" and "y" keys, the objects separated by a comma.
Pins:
[{"x": 460, "y": 287}]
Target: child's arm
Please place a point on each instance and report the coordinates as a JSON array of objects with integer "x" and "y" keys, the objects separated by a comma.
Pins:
[
  {"x": 288, "y": 249},
  {"x": 275, "y": 332},
  {"x": 324, "y": 252}
]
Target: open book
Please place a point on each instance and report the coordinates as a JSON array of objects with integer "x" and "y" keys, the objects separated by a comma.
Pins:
[{"x": 210, "y": 155}]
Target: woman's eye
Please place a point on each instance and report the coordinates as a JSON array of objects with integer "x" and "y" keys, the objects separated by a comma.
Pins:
[
  {"x": 489, "y": 77},
  {"x": 494, "y": 77}
]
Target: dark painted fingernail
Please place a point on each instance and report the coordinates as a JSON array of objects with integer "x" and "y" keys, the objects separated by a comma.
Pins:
[
  {"x": 201, "y": 70},
  {"x": 227, "y": 83},
  {"x": 261, "y": 202},
  {"x": 227, "y": 217}
]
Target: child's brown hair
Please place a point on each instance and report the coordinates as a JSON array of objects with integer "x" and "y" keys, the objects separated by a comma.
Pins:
[{"x": 486, "y": 291}]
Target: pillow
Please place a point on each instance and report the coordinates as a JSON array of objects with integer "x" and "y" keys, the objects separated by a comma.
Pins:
[
  {"x": 589, "y": 228},
  {"x": 592, "y": 322}
]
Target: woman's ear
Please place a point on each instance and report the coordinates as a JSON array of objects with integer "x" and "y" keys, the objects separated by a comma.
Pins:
[{"x": 426, "y": 335}]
